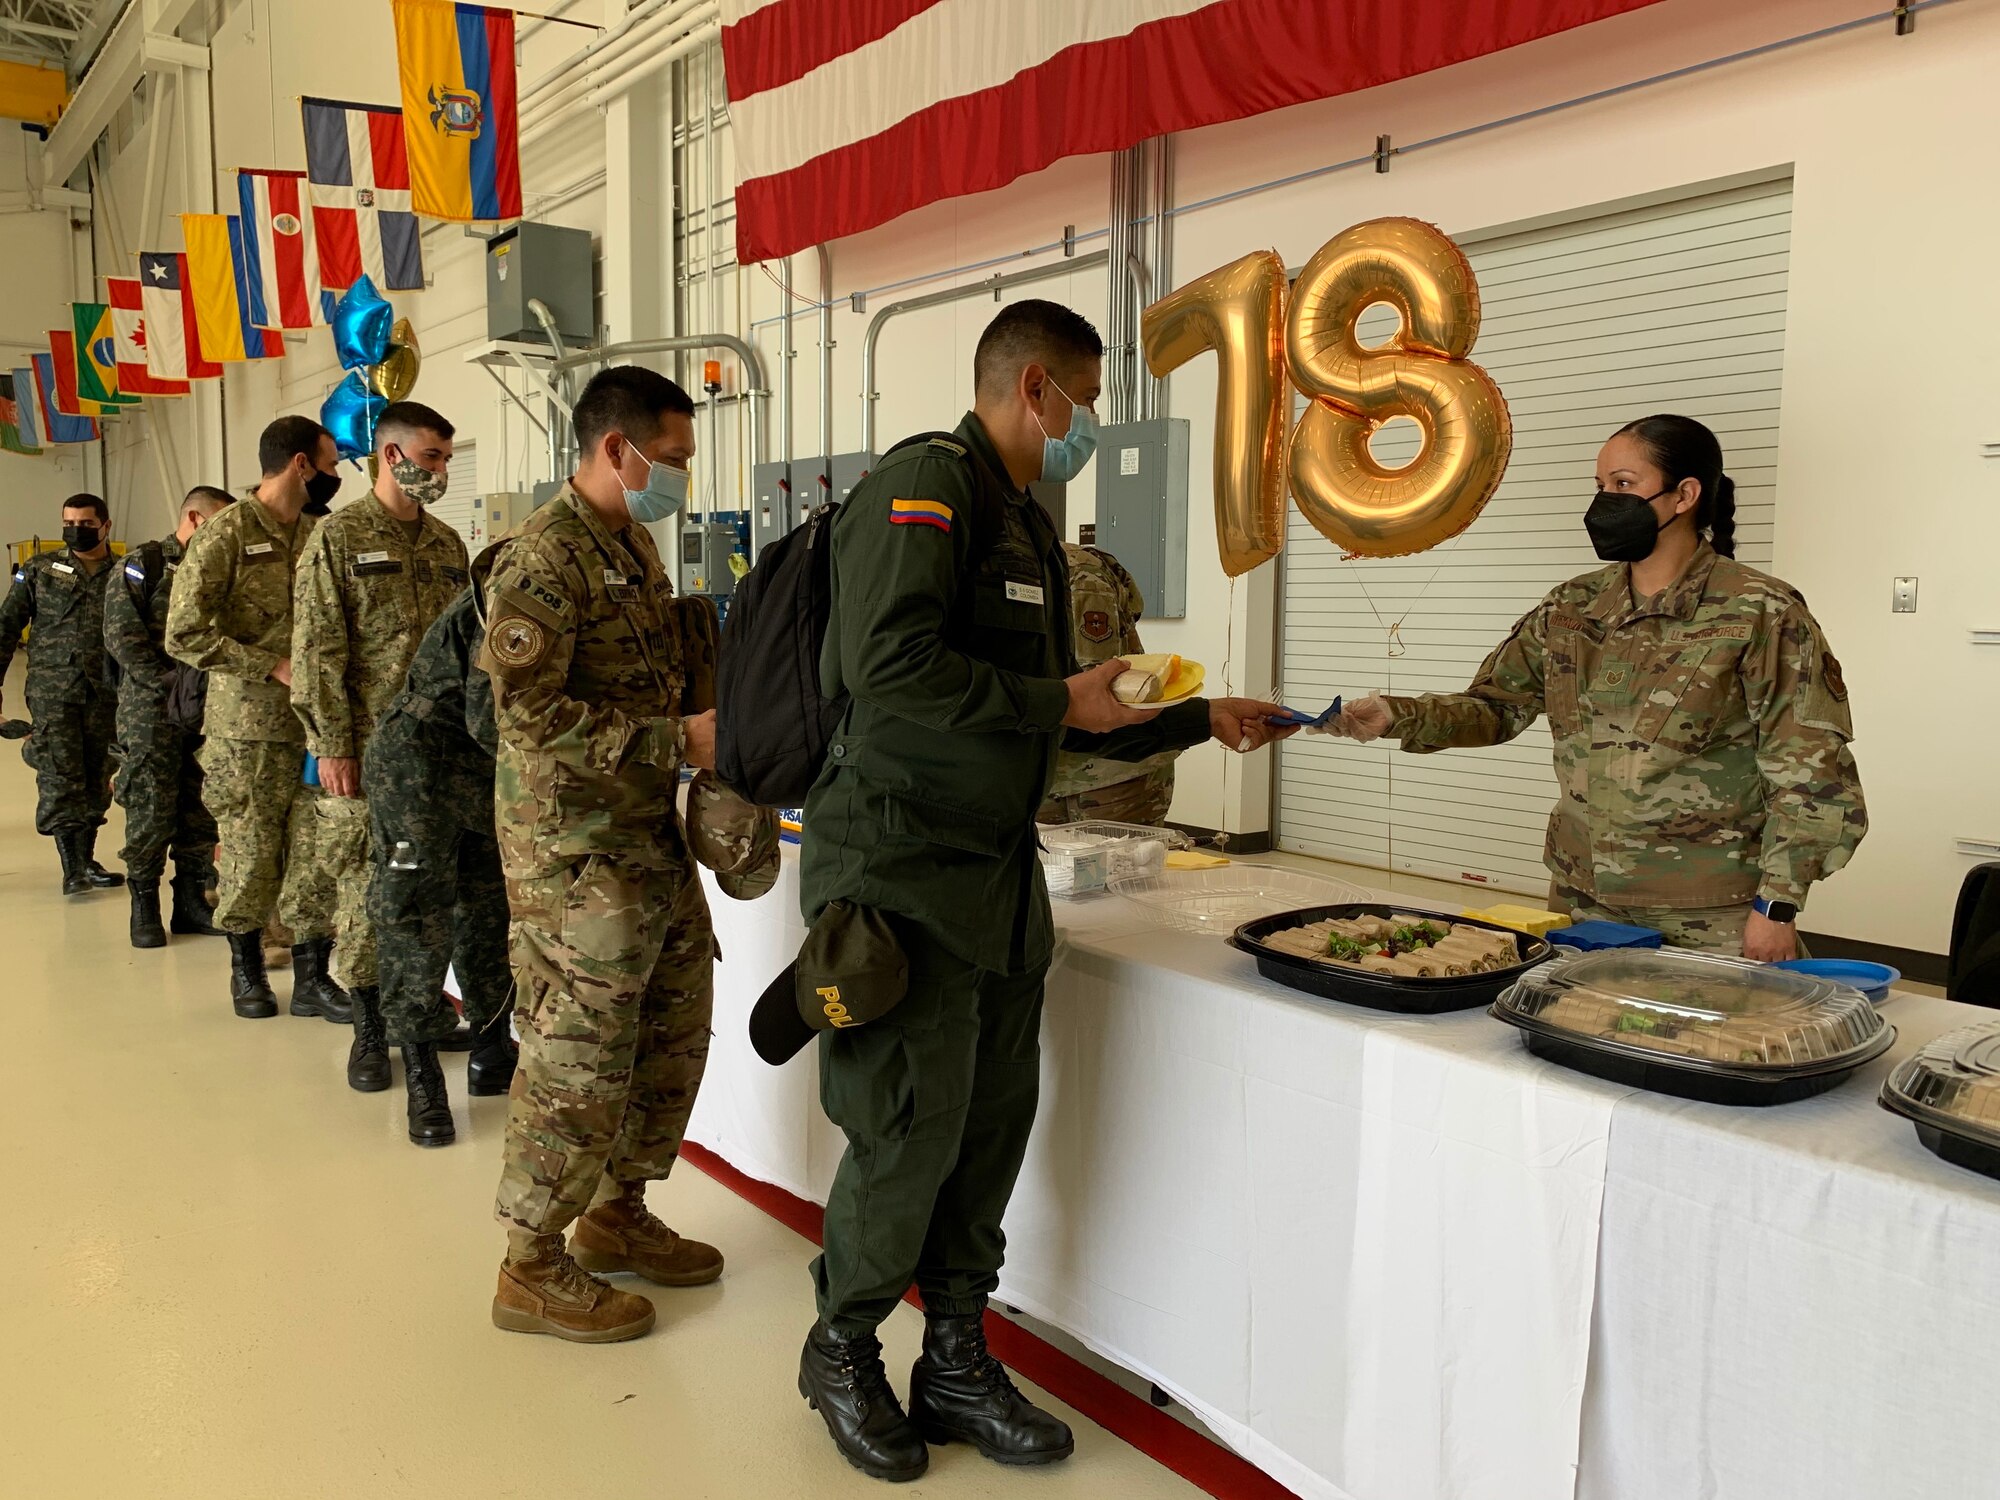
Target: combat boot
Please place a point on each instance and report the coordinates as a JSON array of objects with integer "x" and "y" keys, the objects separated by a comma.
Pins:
[
  {"x": 959, "y": 1390},
  {"x": 623, "y": 1235},
  {"x": 193, "y": 917},
  {"x": 547, "y": 1292},
  {"x": 844, "y": 1381},
  {"x": 69, "y": 849},
  {"x": 368, "y": 1057},
  {"x": 490, "y": 1069},
  {"x": 95, "y": 876},
  {"x": 313, "y": 991},
  {"x": 146, "y": 929},
  {"x": 430, "y": 1104},
  {"x": 249, "y": 989}
]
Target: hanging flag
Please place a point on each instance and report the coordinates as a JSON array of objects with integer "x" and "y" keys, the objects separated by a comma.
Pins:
[
  {"x": 27, "y": 411},
  {"x": 16, "y": 436},
  {"x": 461, "y": 117},
  {"x": 96, "y": 355},
  {"x": 280, "y": 249},
  {"x": 129, "y": 331},
  {"x": 57, "y": 426},
  {"x": 218, "y": 285},
  {"x": 63, "y": 392},
  {"x": 173, "y": 343},
  {"x": 359, "y": 173}
]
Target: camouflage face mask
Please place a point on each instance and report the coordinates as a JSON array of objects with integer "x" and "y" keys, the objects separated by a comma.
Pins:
[{"x": 418, "y": 483}]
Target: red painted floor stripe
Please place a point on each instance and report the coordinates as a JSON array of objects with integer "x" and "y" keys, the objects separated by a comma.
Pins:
[{"x": 1200, "y": 1460}]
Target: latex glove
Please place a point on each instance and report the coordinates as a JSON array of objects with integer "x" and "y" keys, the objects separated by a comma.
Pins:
[{"x": 1367, "y": 720}]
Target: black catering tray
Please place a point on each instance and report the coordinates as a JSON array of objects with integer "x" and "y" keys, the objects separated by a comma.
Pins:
[
  {"x": 1343, "y": 982},
  {"x": 1683, "y": 1081}
]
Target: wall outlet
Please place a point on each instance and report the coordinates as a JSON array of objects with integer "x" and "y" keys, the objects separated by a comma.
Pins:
[{"x": 1903, "y": 599}]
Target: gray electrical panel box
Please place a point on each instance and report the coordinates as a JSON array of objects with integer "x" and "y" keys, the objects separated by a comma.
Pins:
[
  {"x": 1142, "y": 508},
  {"x": 705, "y": 549},
  {"x": 844, "y": 471},
  {"x": 774, "y": 509},
  {"x": 547, "y": 262}
]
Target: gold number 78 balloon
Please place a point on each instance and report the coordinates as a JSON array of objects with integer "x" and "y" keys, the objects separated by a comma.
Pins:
[{"x": 1421, "y": 373}]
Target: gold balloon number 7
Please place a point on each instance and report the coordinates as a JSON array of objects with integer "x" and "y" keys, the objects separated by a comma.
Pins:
[{"x": 1259, "y": 336}]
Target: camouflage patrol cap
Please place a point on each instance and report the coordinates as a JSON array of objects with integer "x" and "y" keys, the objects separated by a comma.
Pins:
[
  {"x": 14, "y": 729},
  {"x": 851, "y": 971},
  {"x": 732, "y": 836}
]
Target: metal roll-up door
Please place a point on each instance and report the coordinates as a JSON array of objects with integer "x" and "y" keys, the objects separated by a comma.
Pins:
[{"x": 1673, "y": 307}]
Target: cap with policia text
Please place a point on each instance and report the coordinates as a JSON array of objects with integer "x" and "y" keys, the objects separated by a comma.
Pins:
[{"x": 850, "y": 971}]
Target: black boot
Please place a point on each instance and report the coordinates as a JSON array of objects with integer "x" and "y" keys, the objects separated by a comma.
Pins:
[
  {"x": 69, "y": 849},
  {"x": 146, "y": 929},
  {"x": 368, "y": 1059},
  {"x": 843, "y": 1380},
  {"x": 248, "y": 988},
  {"x": 193, "y": 916},
  {"x": 95, "y": 875},
  {"x": 313, "y": 991},
  {"x": 490, "y": 1069},
  {"x": 430, "y": 1105},
  {"x": 959, "y": 1390}
]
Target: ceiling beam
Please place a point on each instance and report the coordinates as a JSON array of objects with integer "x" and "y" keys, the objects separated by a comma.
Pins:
[{"x": 142, "y": 42}]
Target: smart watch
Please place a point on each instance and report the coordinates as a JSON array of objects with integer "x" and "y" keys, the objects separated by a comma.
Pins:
[{"x": 1784, "y": 913}]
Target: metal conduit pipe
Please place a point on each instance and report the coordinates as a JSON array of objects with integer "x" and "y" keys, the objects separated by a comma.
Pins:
[
  {"x": 623, "y": 80},
  {"x": 993, "y": 285},
  {"x": 826, "y": 355},
  {"x": 757, "y": 392},
  {"x": 1142, "y": 295},
  {"x": 786, "y": 354},
  {"x": 632, "y": 50},
  {"x": 558, "y": 429}
]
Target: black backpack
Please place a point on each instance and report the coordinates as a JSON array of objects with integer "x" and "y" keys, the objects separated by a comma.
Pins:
[{"x": 773, "y": 724}]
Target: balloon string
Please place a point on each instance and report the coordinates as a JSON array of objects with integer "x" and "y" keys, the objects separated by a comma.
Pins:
[
  {"x": 1228, "y": 690},
  {"x": 1394, "y": 628}
]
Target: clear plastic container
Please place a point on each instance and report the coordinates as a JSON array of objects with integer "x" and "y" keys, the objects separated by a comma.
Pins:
[
  {"x": 1951, "y": 1090},
  {"x": 1080, "y": 858},
  {"x": 1218, "y": 902},
  {"x": 1756, "y": 1034}
]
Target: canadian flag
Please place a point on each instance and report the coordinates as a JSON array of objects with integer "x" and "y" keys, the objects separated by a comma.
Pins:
[{"x": 128, "y": 332}]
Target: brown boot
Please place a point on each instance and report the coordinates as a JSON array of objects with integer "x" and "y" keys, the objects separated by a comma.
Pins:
[
  {"x": 545, "y": 1292},
  {"x": 623, "y": 1235}
]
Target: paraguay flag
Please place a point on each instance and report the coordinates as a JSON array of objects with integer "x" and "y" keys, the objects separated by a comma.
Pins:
[
  {"x": 359, "y": 173},
  {"x": 280, "y": 250},
  {"x": 461, "y": 119},
  {"x": 218, "y": 283}
]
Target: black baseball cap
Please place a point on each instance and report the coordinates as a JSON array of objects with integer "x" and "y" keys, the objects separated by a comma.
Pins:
[{"x": 850, "y": 971}]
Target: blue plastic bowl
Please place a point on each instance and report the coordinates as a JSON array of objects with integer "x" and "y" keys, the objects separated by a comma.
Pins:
[{"x": 1873, "y": 980}]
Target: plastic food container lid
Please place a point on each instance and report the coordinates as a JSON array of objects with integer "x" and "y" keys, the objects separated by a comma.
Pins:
[
  {"x": 1700, "y": 1011},
  {"x": 1592, "y": 935},
  {"x": 1953, "y": 1083}
]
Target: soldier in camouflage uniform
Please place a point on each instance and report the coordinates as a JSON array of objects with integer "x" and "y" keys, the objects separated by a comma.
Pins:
[
  {"x": 1700, "y": 720},
  {"x": 231, "y": 616},
  {"x": 60, "y": 596},
  {"x": 375, "y": 575},
  {"x": 159, "y": 733},
  {"x": 612, "y": 946},
  {"x": 1104, "y": 609},
  {"x": 438, "y": 897}
]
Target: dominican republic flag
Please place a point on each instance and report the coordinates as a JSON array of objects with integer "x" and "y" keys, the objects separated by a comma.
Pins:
[
  {"x": 173, "y": 339},
  {"x": 462, "y": 118},
  {"x": 279, "y": 250},
  {"x": 130, "y": 338},
  {"x": 56, "y": 426},
  {"x": 359, "y": 173},
  {"x": 831, "y": 101}
]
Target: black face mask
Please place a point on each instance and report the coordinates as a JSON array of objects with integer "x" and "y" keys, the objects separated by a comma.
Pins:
[
  {"x": 82, "y": 538},
  {"x": 320, "y": 490},
  {"x": 1621, "y": 527}
]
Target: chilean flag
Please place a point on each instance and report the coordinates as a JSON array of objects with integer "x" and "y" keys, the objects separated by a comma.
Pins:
[
  {"x": 173, "y": 343},
  {"x": 281, "y": 256},
  {"x": 130, "y": 338},
  {"x": 359, "y": 172}
]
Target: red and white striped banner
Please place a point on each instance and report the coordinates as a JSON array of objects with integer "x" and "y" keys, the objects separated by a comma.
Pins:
[{"x": 847, "y": 113}]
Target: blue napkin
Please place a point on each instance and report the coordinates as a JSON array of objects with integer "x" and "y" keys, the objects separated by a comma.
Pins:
[{"x": 1298, "y": 717}]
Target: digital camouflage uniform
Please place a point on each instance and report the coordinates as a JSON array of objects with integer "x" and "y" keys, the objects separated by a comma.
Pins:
[
  {"x": 950, "y": 629},
  {"x": 159, "y": 777},
  {"x": 1701, "y": 745},
  {"x": 611, "y": 944},
  {"x": 365, "y": 595},
  {"x": 1104, "y": 609},
  {"x": 438, "y": 898},
  {"x": 231, "y": 616},
  {"x": 70, "y": 695}
]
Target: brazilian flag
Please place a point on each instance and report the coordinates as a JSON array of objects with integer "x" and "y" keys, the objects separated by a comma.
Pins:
[{"x": 97, "y": 355}]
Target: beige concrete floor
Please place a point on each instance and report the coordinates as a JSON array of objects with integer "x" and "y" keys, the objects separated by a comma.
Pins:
[{"x": 235, "y": 1277}]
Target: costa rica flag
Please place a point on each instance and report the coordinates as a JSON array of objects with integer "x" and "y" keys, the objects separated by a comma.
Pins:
[{"x": 461, "y": 113}]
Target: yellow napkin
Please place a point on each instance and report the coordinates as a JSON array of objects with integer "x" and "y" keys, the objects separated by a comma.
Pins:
[{"x": 1190, "y": 859}]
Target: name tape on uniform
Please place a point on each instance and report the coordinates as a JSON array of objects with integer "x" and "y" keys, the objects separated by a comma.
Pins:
[
  {"x": 1025, "y": 593},
  {"x": 260, "y": 549},
  {"x": 62, "y": 567}
]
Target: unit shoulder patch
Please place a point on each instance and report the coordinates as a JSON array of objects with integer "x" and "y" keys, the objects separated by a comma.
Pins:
[{"x": 516, "y": 643}]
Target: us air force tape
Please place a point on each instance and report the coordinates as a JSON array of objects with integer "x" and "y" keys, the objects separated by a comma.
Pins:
[{"x": 850, "y": 971}]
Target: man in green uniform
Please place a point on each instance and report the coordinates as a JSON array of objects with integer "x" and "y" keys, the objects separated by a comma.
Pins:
[
  {"x": 159, "y": 734},
  {"x": 1104, "y": 609},
  {"x": 950, "y": 629},
  {"x": 375, "y": 575},
  {"x": 60, "y": 596},
  {"x": 612, "y": 946},
  {"x": 231, "y": 617},
  {"x": 437, "y": 897}
]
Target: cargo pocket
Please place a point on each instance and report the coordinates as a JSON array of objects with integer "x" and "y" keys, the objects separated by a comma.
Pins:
[{"x": 939, "y": 823}]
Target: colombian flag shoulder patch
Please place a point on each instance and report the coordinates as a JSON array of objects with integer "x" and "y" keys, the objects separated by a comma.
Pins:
[{"x": 921, "y": 513}]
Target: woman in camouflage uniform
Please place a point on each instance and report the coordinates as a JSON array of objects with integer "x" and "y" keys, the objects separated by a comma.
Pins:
[{"x": 1701, "y": 724}]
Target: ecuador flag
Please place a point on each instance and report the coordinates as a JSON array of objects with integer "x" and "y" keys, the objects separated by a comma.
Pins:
[{"x": 461, "y": 117}]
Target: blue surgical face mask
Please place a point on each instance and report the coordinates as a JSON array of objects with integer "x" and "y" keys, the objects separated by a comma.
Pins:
[
  {"x": 1063, "y": 458},
  {"x": 665, "y": 493}
]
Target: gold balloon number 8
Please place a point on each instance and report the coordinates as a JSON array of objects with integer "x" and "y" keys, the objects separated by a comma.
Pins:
[{"x": 1240, "y": 312}]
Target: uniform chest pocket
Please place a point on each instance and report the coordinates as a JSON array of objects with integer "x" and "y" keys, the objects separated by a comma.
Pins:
[
  {"x": 1682, "y": 701},
  {"x": 263, "y": 552},
  {"x": 375, "y": 567}
]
